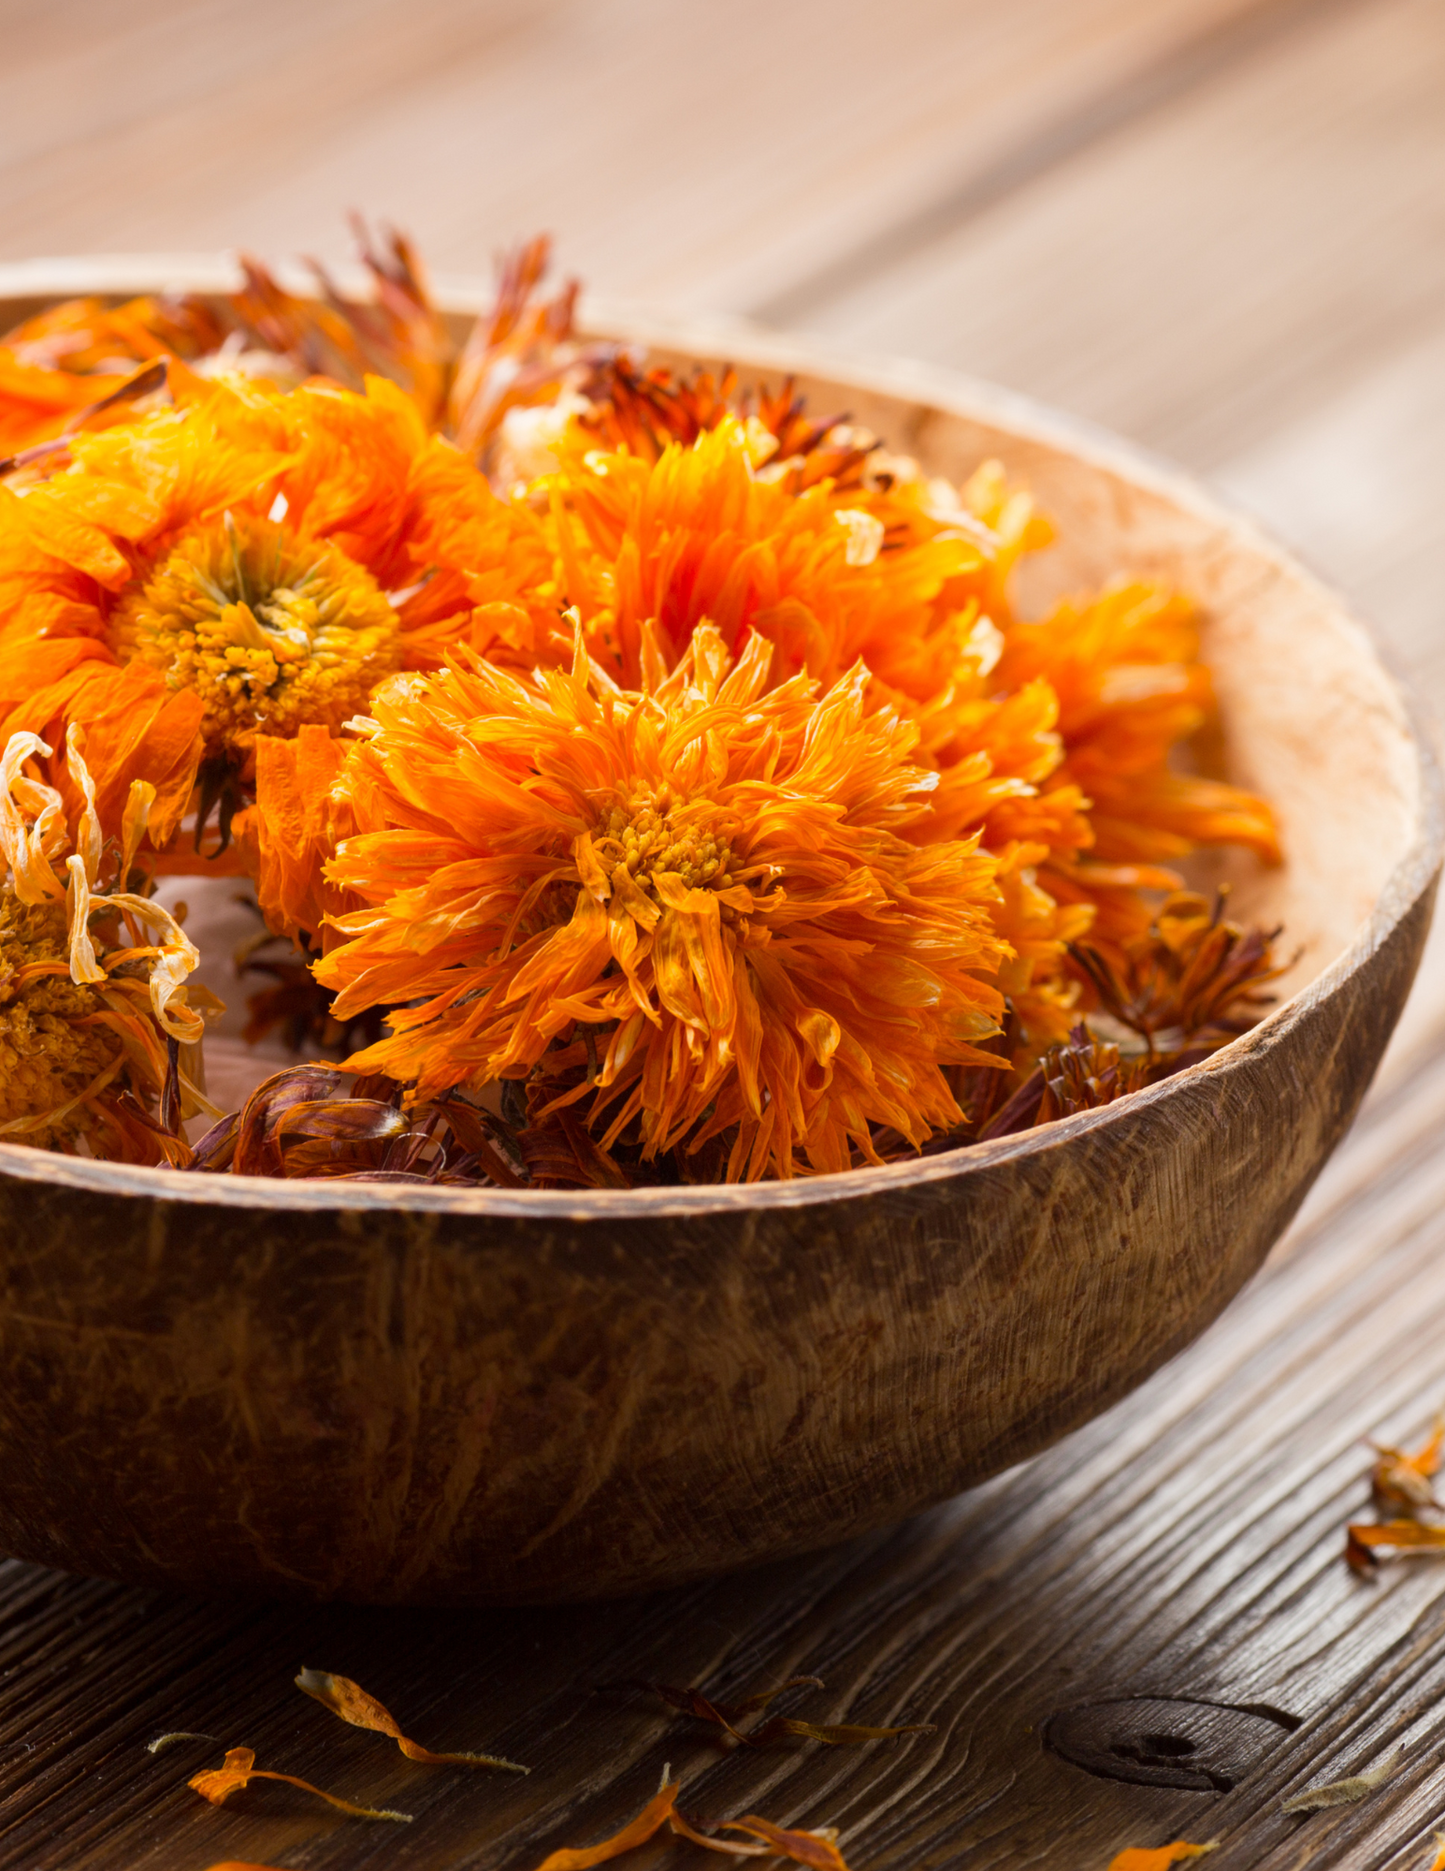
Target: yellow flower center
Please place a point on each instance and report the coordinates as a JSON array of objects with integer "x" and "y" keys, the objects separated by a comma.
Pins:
[
  {"x": 48, "y": 1054},
  {"x": 273, "y": 630},
  {"x": 645, "y": 838}
]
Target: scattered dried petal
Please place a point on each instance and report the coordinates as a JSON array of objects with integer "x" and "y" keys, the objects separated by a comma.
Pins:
[
  {"x": 727, "y": 1715},
  {"x": 1160, "y": 1857},
  {"x": 638, "y": 1831},
  {"x": 217, "y": 1784},
  {"x": 162, "y": 1742},
  {"x": 687, "y": 1829},
  {"x": 351, "y": 1702},
  {"x": 1344, "y": 1792},
  {"x": 835, "y": 1734},
  {"x": 818, "y": 1849},
  {"x": 1402, "y": 1480},
  {"x": 1404, "y": 1536}
]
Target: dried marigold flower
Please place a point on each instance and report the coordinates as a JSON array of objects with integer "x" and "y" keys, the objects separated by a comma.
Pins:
[
  {"x": 726, "y": 1716},
  {"x": 74, "y": 357},
  {"x": 1364, "y": 1541},
  {"x": 707, "y": 876},
  {"x": 95, "y": 1017},
  {"x": 217, "y": 1784},
  {"x": 207, "y": 585},
  {"x": 817, "y": 1849},
  {"x": 1190, "y": 983}
]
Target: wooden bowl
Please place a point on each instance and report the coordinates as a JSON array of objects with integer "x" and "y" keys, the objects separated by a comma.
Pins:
[{"x": 391, "y": 1395}]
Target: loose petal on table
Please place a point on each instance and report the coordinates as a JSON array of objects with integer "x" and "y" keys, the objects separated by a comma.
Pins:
[
  {"x": 1344, "y": 1792},
  {"x": 1160, "y": 1857},
  {"x": 352, "y": 1703},
  {"x": 217, "y": 1784}
]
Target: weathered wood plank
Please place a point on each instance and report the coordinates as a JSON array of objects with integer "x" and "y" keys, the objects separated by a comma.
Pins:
[
  {"x": 1212, "y": 274},
  {"x": 708, "y": 156}
]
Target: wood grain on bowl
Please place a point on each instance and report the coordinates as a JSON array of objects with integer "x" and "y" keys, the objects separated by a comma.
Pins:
[{"x": 388, "y": 1394}]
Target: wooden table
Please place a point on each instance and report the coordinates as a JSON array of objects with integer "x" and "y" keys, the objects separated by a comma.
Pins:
[{"x": 1213, "y": 224}]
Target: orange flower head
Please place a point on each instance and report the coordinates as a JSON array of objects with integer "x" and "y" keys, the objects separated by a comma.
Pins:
[
  {"x": 693, "y": 906},
  {"x": 700, "y": 534},
  {"x": 241, "y": 570},
  {"x": 92, "y": 979},
  {"x": 273, "y": 630}
]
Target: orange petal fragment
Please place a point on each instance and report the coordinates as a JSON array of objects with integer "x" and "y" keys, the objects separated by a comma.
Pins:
[
  {"x": 1405, "y": 1536},
  {"x": 1402, "y": 1477},
  {"x": 1347, "y": 1791},
  {"x": 818, "y": 1849},
  {"x": 217, "y": 1784},
  {"x": 648, "y": 1822},
  {"x": 1161, "y": 1857},
  {"x": 793, "y": 1682},
  {"x": 351, "y": 1702},
  {"x": 836, "y": 1734},
  {"x": 684, "y": 1829}
]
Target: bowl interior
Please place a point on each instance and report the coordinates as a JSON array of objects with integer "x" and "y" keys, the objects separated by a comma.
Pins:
[{"x": 1308, "y": 716}]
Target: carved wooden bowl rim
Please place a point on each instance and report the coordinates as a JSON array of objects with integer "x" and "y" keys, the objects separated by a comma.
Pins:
[{"x": 951, "y": 391}]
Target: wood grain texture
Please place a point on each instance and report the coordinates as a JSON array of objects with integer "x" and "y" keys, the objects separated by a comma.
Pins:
[
  {"x": 703, "y": 156},
  {"x": 1203, "y": 281},
  {"x": 544, "y": 1397}
]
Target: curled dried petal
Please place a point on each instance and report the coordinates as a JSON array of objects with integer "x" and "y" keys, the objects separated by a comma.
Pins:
[
  {"x": 352, "y": 1703},
  {"x": 217, "y": 1784},
  {"x": 648, "y": 1823}
]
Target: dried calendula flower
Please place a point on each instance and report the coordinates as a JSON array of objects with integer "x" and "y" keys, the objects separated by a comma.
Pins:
[
  {"x": 1345, "y": 1792},
  {"x": 818, "y": 1849},
  {"x": 1401, "y": 1479},
  {"x": 709, "y": 877},
  {"x": 239, "y": 1769},
  {"x": 1160, "y": 1857},
  {"x": 351, "y": 1702}
]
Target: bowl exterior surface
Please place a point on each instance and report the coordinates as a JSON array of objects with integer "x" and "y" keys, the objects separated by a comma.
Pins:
[
  {"x": 393, "y": 1396},
  {"x": 389, "y": 1405}
]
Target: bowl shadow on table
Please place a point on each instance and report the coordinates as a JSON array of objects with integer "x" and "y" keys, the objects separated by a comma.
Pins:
[{"x": 890, "y": 1622}]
